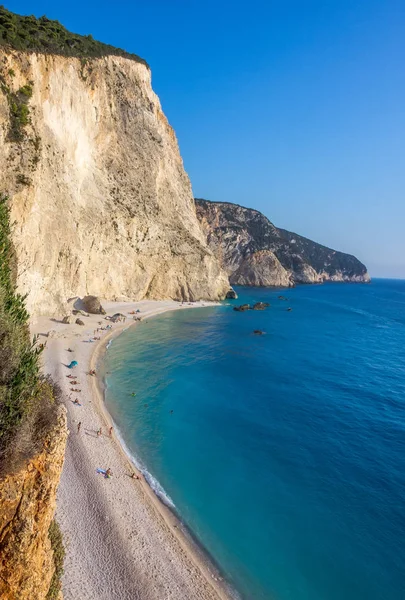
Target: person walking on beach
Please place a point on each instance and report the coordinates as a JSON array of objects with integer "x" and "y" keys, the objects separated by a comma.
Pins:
[
  {"x": 110, "y": 432},
  {"x": 78, "y": 426},
  {"x": 99, "y": 432}
]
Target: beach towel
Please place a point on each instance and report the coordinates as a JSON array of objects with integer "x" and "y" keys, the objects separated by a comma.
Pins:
[{"x": 103, "y": 472}]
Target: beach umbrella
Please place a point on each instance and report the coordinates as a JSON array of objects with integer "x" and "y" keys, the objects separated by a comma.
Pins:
[{"x": 73, "y": 364}]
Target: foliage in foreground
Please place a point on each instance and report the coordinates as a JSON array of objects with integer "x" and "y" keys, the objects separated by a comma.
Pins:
[
  {"x": 50, "y": 37},
  {"x": 55, "y": 535},
  {"x": 28, "y": 401}
]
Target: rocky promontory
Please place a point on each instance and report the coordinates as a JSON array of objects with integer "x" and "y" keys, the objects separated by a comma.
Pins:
[{"x": 255, "y": 252}]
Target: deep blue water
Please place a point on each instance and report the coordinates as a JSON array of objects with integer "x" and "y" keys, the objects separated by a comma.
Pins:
[{"x": 285, "y": 453}]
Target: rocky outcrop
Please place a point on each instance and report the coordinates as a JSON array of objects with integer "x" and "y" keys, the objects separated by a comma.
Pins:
[
  {"x": 27, "y": 506},
  {"x": 99, "y": 196},
  {"x": 255, "y": 252},
  {"x": 231, "y": 295}
]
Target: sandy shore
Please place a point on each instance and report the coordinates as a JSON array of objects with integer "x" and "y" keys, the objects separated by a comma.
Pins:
[{"x": 121, "y": 541}]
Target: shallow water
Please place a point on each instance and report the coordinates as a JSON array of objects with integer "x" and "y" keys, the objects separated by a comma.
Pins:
[{"x": 285, "y": 452}]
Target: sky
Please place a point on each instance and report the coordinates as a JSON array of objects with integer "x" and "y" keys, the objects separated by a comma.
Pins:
[{"x": 293, "y": 107}]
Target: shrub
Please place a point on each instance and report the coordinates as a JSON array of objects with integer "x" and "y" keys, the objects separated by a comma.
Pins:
[
  {"x": 23, "y": 179},
  {"x": 26, "y": 90},
  {"x": 28, "y": 401},
  {"x": 19, "y": 110},
  {"x": 55, "y": 535}
]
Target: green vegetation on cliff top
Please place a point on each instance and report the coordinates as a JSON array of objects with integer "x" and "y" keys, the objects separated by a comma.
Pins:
[{"x": 27, "y": 33}]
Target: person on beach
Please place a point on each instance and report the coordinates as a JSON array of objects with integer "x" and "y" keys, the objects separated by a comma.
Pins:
[
  {"x": 110, "y": 431},
  {"x": 78, "y": 426},
  {"x": 135, "y": 476},
  {"x": 108, "y": 473},
  {"x": 99, "y": 432},
  {"x": 76, "y": 401}
]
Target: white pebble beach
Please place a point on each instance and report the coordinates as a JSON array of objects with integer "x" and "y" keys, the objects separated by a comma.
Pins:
[{"x": 121, "y": 541}]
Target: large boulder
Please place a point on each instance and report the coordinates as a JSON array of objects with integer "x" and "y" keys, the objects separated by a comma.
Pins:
[{"x": 92, "y": 305}]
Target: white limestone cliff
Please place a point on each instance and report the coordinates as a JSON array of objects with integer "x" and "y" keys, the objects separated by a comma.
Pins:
[{"x": 100, "y": 200}]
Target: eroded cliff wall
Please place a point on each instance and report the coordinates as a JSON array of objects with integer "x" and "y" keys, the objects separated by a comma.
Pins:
[
  {"x": 255, "y": 252},
  {"x": 100, "y": 199},
  {"x": 27, "y": 506}
]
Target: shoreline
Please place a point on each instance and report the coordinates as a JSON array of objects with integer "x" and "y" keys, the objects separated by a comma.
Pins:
[
  {"x": 195, "y": 574},
  {"x": 180, "y": 529}
]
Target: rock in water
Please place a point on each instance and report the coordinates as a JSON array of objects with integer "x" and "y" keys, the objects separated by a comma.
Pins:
[
  {"x": 93, "y": 306},
  {"x": 260, "y": 305},
  {"x": 255, "y": 252},
  {"x": 242, "y": 307}
]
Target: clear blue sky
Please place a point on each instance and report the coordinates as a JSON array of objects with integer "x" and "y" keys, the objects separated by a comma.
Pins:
[{"x": 293, "y": 107}]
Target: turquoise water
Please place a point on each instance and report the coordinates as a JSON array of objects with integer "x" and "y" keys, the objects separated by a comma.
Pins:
[{"x": 284, "y": 453}]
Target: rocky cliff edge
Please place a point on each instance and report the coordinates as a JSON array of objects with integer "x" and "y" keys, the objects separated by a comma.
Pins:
[{"x": 27, "y": 506}]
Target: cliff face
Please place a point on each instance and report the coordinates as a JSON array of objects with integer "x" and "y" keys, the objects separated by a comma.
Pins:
[
  {"x": 100, "y": 199},
  {"x": 255, "y": 252},
  {"x": 27, "y": 506}
]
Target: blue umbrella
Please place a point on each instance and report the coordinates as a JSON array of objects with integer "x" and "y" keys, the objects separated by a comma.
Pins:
[{"x": 72, "y": 364}]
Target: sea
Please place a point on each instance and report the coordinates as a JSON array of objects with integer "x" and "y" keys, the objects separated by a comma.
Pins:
[{"x": 283, "y": 453}]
